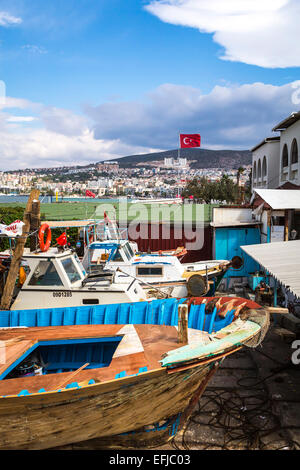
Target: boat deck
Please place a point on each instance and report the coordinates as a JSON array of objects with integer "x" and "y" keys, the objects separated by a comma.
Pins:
[{"x": 140, "y": 349}]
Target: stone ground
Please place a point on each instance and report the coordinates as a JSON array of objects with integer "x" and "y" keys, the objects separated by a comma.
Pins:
[{"x": 253, "y": 401}]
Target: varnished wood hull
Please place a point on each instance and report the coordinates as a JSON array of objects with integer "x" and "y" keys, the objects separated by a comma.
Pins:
[
  {"x": 102, "y": 411},
  {"x": 54, "y": 419}
]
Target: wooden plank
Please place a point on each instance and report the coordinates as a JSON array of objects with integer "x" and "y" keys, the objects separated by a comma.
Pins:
[
  {"x": 50, "y": 420},
  {"x": 71, "y": 377},
  {"x": 183, "y": 324},
  {"x": 18, "y": 253},
  {"x": 275, "y": 310},
  {"x": 35, "y": 222}
]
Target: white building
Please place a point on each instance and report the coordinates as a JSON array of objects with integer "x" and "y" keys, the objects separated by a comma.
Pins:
[
  {"x": 275, "y": 160},
  {"x": 169, "y": 162},
  {"x": 289, "y": 130},
  {"x": 265, "y": 163}
]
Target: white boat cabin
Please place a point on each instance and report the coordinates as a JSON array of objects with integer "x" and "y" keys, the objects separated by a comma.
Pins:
[
  {"x": 157, "y": 270},
  {"x": 121, "y": 254},
  {"x": 56, "y": 278}
]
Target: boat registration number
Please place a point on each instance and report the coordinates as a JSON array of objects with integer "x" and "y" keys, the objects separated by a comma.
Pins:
[{"x": 62, "y": 294}]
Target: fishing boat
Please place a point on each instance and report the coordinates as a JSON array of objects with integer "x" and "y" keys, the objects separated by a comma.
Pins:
[
  {"x": 56, "y": 277},
  {"x": 156, "y": 271},
  {"x": 118, "y": 376},
  {"x": 103, "y": 246}
]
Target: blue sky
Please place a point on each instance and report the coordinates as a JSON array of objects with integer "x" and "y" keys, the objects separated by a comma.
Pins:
[{"x": 88, "y": 80}]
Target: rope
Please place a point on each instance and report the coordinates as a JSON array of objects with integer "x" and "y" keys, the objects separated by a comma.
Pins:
[{"x": 242, "y": 417}]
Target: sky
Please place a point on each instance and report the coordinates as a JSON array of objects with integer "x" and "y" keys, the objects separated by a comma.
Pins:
[{"x": 82, "y": 81}]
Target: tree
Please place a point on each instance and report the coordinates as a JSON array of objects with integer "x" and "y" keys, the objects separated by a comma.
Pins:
[{"x": 204, "y": 190}]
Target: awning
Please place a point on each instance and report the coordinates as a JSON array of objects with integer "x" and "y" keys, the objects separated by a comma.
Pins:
[
  {"x": 279, "y": 199},
  {"x": 70, "y": 223},
  {"x": 281, "y": 260},
  {"x": 235, "y": 224}
]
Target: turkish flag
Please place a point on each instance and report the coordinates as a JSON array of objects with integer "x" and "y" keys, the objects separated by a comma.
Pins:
[
  {"x": 89, "y": 193},
  {"x": 62, "y": 239},
  {"x": 190, "y": 140}
]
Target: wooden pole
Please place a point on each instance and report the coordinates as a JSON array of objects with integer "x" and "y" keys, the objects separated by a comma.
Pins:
[
  {"x": 35, "y": 222},
  {"x": 183, "y": 324},
  {"x": 18, "y": 253},
  {"x": 68, "y": 379},
  {"x": 286, "y": 226}
]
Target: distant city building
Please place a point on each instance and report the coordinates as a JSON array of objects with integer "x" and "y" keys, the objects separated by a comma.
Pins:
[
  {"x": 169, "y": 162},
  {"x": 179, "y": 163},
  {"x": 108, "y": 166}
]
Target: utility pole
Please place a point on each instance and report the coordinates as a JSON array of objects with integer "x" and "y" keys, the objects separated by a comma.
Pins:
[{"x": 8, "y": 290}]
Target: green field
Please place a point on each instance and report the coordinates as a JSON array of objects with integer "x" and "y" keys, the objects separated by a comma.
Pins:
[{"x": 201, "y": 213}]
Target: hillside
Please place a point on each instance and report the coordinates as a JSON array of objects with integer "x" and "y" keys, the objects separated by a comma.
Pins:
[{"x": 201, "y": 158}]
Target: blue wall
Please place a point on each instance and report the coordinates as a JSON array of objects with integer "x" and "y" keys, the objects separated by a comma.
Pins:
[{"x": 228, "y": 242}]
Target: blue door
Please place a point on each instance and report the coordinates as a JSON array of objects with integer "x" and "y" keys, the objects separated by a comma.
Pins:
[{"x": 228, "y": 244}]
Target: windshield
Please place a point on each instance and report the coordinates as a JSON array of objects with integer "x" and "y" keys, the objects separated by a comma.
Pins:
[
  {"x": 45, "y": 274},
  {"x": 128, "y": 251},
  {"x": 79, "y": 263},
  {"x": 71, "y": 270}
]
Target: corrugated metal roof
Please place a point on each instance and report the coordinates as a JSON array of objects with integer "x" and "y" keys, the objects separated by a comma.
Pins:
[
  {"x": 281, "y": 260},
  {"x": 280, "y": 199}
]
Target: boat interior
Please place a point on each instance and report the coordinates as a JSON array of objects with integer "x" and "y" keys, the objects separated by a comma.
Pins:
[{"x": 55, "y": 349}]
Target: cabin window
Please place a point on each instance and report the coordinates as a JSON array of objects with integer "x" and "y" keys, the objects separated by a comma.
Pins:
[
  {"x": 45, "y": 274},
  {"x": 128, "y": 251},
  {"x": 149, "y": 271},
  {"x": 71, "y": 270},
  {"x": 117, "y": 256},
  {"x": 90, "y": 301},
  {"x": 79, "y": 263}
]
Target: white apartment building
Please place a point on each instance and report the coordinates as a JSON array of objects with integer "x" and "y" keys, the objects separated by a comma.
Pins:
[
  {"x": 289, "y": 130},
  {"x": 275, "y": 160},
  {"x": 265, "y": 163}
]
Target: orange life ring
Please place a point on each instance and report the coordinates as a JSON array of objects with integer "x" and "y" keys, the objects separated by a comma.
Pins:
[{"x": 44, "y": 246}]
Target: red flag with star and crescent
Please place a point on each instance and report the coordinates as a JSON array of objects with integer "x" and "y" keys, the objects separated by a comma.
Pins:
[
  {"x": 90, "y": 194},
  {"x": 190, "y": 140}
]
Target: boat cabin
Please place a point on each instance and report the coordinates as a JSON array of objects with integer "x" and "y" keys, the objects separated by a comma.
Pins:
[
  {"x": 57, "y": 278},
  {"x": 123, "y": 255}
]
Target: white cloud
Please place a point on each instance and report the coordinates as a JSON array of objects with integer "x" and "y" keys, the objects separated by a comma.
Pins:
[
  {"x": 235, "y": 116},
  {"x": 256, "y": 32},
  {"x": 34, "y": 49},
  {"x": 20, "y": 119},
  {"x": 53, "y": 137},
  {"x": 229, "y": 117},
  {"x": 63, "y": 121},
  {"x": 8, "y": 20}
]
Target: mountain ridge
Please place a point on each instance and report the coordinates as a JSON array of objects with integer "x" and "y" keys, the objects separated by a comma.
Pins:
[{"x": 198, "y": 158}]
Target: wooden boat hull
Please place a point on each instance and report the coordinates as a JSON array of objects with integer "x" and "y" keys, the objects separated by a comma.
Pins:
[
  {"x": 98, "y": 411},
  {"x": 149, "y": 436},
  {"x": 54, "y": 419}
]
